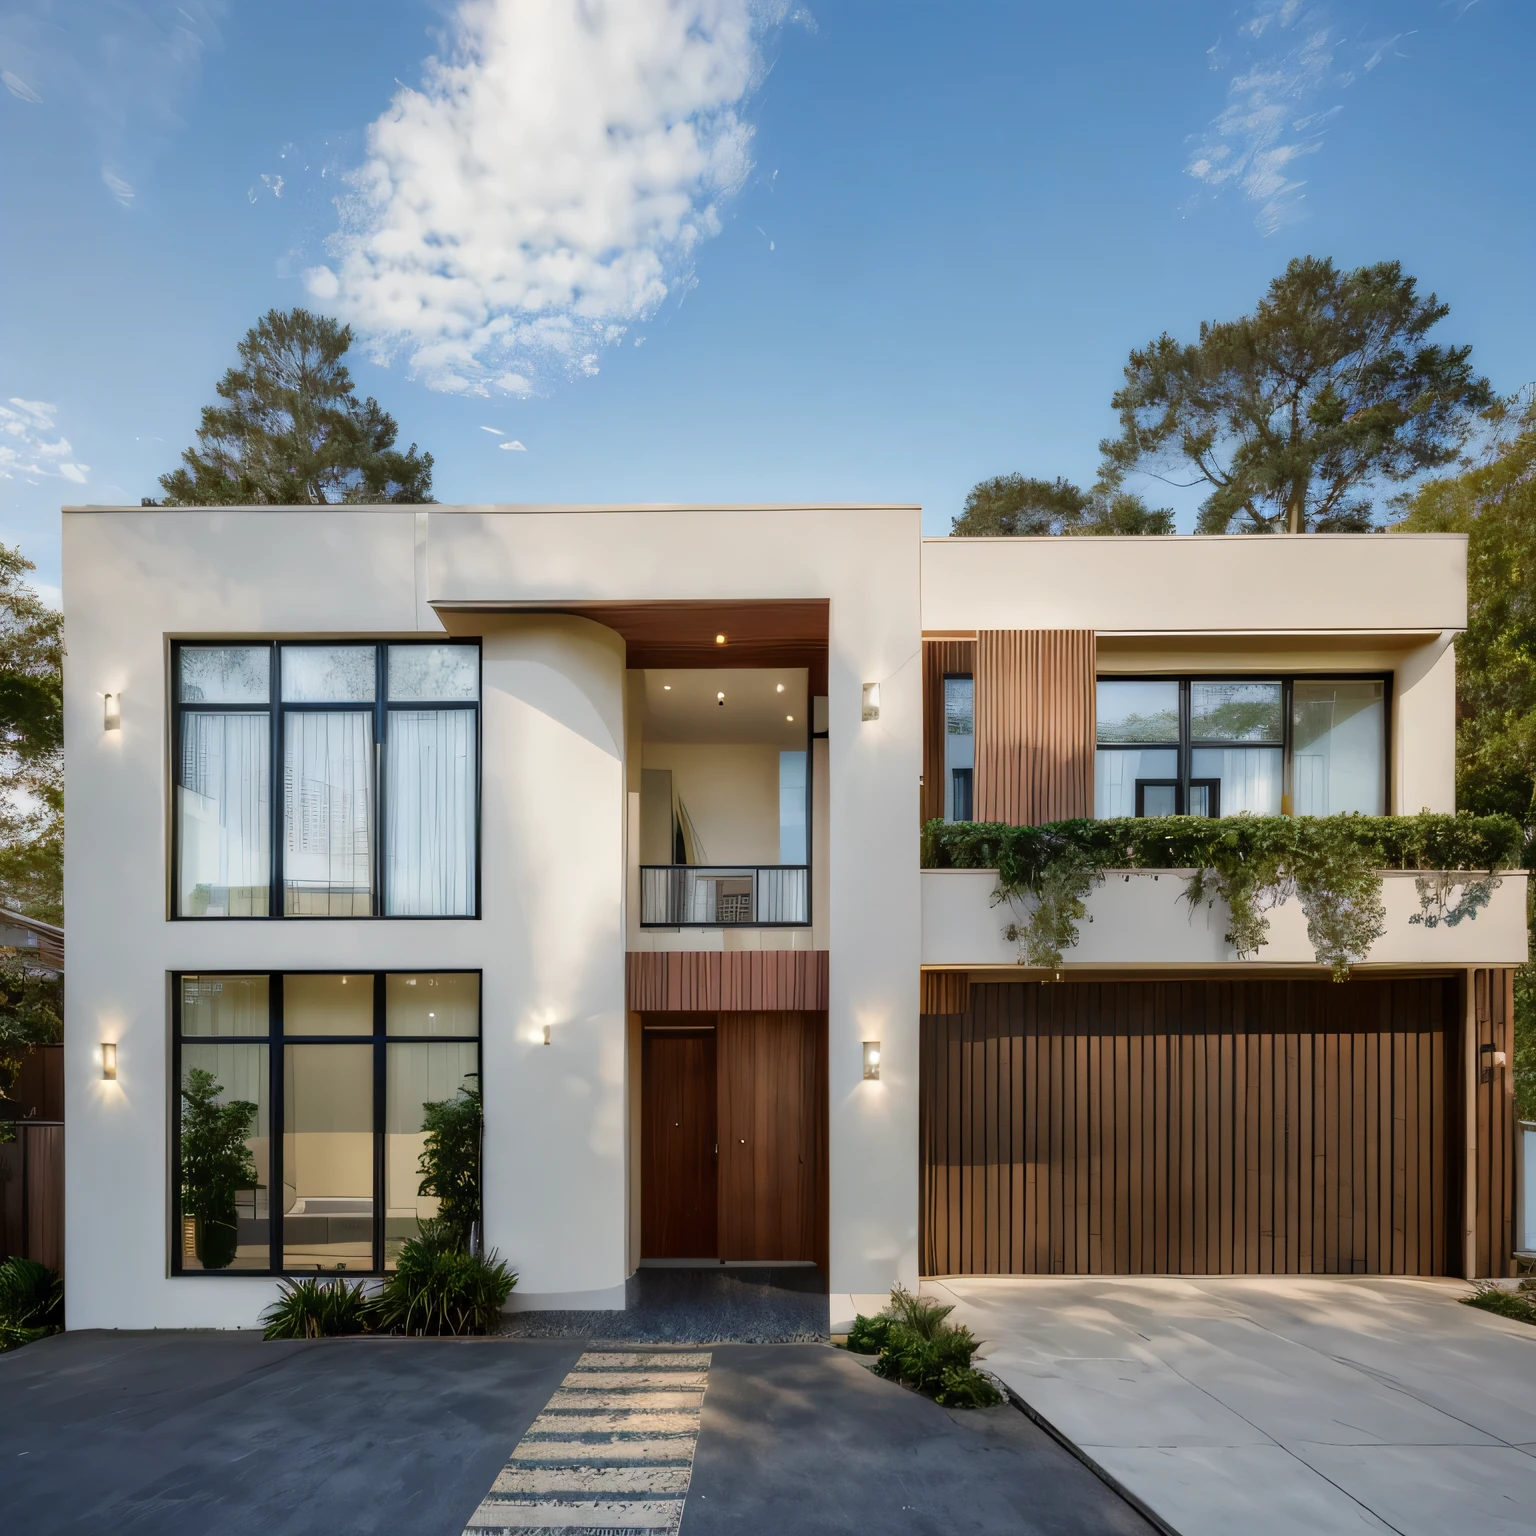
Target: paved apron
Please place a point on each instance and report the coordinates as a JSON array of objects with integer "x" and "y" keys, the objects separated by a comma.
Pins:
[{"x": 611, "y": 1453}]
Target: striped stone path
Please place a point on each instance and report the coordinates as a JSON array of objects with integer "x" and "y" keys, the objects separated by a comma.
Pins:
[{"x": 611, "y": 1453}]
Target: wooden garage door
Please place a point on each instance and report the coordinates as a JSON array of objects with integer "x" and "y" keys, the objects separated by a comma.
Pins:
[{"x": 1243, "y": 1127}]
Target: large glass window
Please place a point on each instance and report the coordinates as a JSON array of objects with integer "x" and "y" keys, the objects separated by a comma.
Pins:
[
  {"x": 301, "y": 1117},
  {"x": 959, "y": 747},
  {"x": 1223, "y": 746},
  {"x": 366, "y": 801},
  {"x": 1338, "y": 734}
]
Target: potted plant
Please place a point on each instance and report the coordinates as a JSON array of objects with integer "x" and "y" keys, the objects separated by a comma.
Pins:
[{"x": 215, "y": 1165}]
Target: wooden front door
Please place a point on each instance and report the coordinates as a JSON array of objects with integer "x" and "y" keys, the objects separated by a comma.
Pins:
[
  {"x": 678, "y": 1196},
  {"x": 773, "y": 1136}
]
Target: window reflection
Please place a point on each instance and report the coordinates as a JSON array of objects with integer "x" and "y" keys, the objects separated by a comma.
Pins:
[{"x": 1339, "y": 747}]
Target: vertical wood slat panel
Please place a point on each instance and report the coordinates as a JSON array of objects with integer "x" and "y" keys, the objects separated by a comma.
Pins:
[
  {"x": 738, "y": 981},
  {"x": 1203, "y": 1127},
  {"x": 1494, "y": 1111},
  {"x": 1034, "y": 725},
  {"x": 940, "y": 658}
]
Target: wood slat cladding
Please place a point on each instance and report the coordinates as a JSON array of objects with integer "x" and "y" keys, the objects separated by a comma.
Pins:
[
  {"x": 1034, "y": 725},
  {"x": 705, "y": 981},
  {"x": 941, "y": 658},
  {"x": 773, "y": 1136},
  {"x": 945, "y": 992},
  {"x": 1493, "y": 1098},
  {"x": 1198, "y": 1127}
]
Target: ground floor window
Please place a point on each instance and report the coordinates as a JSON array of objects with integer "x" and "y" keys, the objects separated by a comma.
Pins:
[{"x": 301, "y": 1113}]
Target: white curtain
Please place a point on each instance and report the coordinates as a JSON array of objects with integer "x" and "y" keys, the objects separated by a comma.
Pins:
[
  {"x": 430, "y": 837},
  {"x": 222, "y": 803},
  {"x": 1250, "y": 777},
  {"x": 328, "y": 814}
]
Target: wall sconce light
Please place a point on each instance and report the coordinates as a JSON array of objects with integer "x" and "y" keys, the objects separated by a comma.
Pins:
[
  {"x": 871, "y": 701},
  {"x": 719, "y": 639},
  {"x": 720, "y": 700},
  {"x": 108, "y": 1062},
  {"x": 1499, "y": 1058},
  {"x": 871, "y": 1061},
  {"x": 112, "y": 712},
  {"x": 546, "y": 1034}
]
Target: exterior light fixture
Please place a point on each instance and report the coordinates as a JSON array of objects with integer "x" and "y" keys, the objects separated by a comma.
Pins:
[
  {"x": 871, "y": 1061},
  {"x": 780, "y": 688},
  {"x": 871, "y": 701},
  {"x": 666, "y": 687},
  {"x": 719, "y": 639},
  {"x": 720, "y": 698},
  {"x": 112, "y": 712},
  {"x": 108, "y": 1061},
  {"x": 546, "y": 1034},
  {"x": 790, "y": 718}
]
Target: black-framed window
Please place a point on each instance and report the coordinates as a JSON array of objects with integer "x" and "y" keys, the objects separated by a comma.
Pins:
[
  {"x": 1219, "y": 746},
  {"x": 326, "y": 779},
  {"x": 959, "y": 744},
  {"x": 297, "y": 1125}
]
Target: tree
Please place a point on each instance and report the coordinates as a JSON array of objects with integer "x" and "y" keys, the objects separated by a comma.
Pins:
[
  {"x": 291, "y": 431},
  {"x": 31, "y": 745},
  {"x": 31, "y": 1013},
  {"x": 450, "y": 1159},
  {"x": 1494, "y": 504},
  {"x": 1013, "y": 506},
  {"x": 1295, "y": 413}
]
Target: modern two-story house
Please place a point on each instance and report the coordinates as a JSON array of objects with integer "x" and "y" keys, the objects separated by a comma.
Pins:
[{"x": 614, "y": 811}]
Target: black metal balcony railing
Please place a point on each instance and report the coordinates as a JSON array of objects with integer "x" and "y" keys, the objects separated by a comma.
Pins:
[{"x": 724, "y": 896}]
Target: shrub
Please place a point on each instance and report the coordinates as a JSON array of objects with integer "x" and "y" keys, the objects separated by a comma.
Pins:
[
  {"x": 1520, "y": 1305},
  {"x": 31, "y": 1302},
  {"x": 919, "y": 1346},
  {"x": 438, "y": 1288},
  {"x": 313, "y": 1308},
  {"x": 869, "y": 1335}
]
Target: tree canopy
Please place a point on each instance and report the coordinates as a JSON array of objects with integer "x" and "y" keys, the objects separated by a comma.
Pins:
[
  {"x": 31, "y": 745},
  {"x": 290, "y": 430},
  {"x": 1494, "y": 504},
  {"x": 1013, "y": 506},
  {"x": 1295, "y": 414}
]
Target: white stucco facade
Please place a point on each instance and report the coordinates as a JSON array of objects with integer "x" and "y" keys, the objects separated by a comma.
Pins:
[{"x": 559, "y": 819}]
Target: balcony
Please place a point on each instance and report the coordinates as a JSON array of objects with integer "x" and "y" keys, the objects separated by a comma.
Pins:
[
  {"x": 725, "y": 896},
  {"x": 1139, "y": 918}
]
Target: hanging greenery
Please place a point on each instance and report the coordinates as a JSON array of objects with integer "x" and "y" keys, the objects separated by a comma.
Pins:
[{"x": 1331, "y": 864}]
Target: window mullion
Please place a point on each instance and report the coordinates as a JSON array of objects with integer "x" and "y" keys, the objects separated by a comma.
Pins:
[
  {"x": 275, "y": 1118},
  {"x": 275, "y": 736}
]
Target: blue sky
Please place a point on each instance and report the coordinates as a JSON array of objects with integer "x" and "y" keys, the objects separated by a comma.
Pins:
[{"x": 712, "y": 250}]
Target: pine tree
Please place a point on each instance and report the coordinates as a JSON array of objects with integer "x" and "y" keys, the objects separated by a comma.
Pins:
[{"x": 291, "y": 430}]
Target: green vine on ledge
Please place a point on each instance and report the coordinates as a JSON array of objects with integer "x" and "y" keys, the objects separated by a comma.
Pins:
[{"x": 1330, "y": 864}]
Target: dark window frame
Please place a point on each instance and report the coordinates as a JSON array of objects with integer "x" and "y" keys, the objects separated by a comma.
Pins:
[
  {"x": 276, "y": 711},
  {"x": 275, "y": 1041},
  {"x": 1188, "y": 744}
]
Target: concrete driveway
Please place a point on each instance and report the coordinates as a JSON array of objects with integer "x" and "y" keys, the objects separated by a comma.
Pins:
[{"x": 1277, "y": 1404}]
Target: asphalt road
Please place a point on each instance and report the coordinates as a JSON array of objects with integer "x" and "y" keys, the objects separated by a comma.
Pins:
[{"x": 196, "y": 1433}]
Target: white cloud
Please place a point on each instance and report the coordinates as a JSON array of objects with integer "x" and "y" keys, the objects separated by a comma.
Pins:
[
  {"x": 548, "y": 186},
  {"x": 513, "y": 447},
  {"x": 497, "y": 430},
  {"x": 29, "y": 448},
  {"x": 19, "y": 88},
  {"x": 1277, "y": 106},
  {"x": 119, "y": 69}
]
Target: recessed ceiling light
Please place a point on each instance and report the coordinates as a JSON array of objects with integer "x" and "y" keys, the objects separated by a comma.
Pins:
[
  {"x": 666, "y": 687},
  {"x": 719, "y": 639},
  {"x": 790, "y": 718},
  {"x": 781, "y": 688},
  {"x": 720, "y": 697}
]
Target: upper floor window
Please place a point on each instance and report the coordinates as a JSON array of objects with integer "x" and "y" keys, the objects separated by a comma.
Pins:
[
  {"x": 1220, "y": 746},
  {"x": 326, "y": 780},
  {"x": 959, "y": 746}
]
